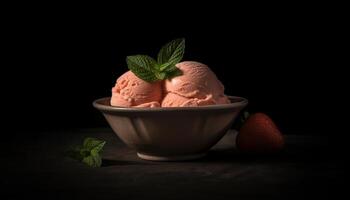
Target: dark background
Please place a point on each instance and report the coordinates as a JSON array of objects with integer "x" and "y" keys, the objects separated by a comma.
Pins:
[
  {"x": 283, "y": 61},
  {"x": 287, "y": 60}
]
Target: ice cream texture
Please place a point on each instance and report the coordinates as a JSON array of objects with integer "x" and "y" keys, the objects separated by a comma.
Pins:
[
  {"x": 197, "y": 86},
  {"x": 131, "y": 91}
]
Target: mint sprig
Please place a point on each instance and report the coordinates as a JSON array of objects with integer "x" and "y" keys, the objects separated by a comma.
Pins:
[
  {"x": 172, "y": 52},
  {"x": 143, "y": 67},
  {"x": 150, "y": 70},
  {"x": 89, "y": 153}
]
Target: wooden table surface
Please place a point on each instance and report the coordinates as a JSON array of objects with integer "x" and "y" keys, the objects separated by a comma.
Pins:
[{"x": 34, "y": 166}]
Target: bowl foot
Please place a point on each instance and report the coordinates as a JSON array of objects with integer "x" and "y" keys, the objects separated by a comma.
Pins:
[{"x": 170, "y": 158}]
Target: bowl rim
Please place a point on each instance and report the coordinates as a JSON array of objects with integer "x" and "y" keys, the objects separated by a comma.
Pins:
[{"x": 240, "y": 103}]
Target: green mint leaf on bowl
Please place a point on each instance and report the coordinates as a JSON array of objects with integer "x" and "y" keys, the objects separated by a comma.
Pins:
[
  {"x": 150, "y": 70},
  {"x": 89, "y": 153}
]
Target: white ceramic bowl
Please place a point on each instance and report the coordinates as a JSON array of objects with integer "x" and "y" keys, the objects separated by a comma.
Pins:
[{"x": 176, "y": 133}]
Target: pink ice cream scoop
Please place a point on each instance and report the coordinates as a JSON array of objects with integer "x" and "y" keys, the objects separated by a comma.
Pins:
[
  {"x": 198, "y": 86},
  {"x": 131, "y": 91}
]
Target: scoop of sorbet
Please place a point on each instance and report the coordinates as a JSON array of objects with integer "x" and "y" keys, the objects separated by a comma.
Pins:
[
  {"x": 198, "y": 86},
  {"x": 131, "y": 91}
]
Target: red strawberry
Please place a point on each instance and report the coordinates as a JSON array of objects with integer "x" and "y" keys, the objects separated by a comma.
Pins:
[{"x": 259, "y": 134}]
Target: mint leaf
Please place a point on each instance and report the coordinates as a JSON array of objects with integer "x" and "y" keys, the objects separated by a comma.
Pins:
[
  {"x": 143, "y": 67},
  {"x": 84, "y": 152},
  {"x": 172, "y": 52},
  {"x": 169, "y": 56},
  {"x": 89, "y": 153},
  {"x": 161, "y": 75},
  {"x": 164, "y": 66},
  {"x": 171, "y": 68},
  {"x": 173, "y": 73},
  {"x": 150, "y": 70},
  {"x": 94, "y": 160},
  {"x": 98, "y": 148},
  {"x": 93, "y": 143}
]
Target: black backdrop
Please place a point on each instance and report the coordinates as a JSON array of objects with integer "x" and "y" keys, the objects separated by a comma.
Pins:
[
  {"x": 61, "y": 62},
  {"x": 57, "y": 59}
]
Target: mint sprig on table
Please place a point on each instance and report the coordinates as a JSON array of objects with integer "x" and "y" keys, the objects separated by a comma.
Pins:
[
  {"x": 151, "y": 70},
  {"x": 89, "y": 153}
]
